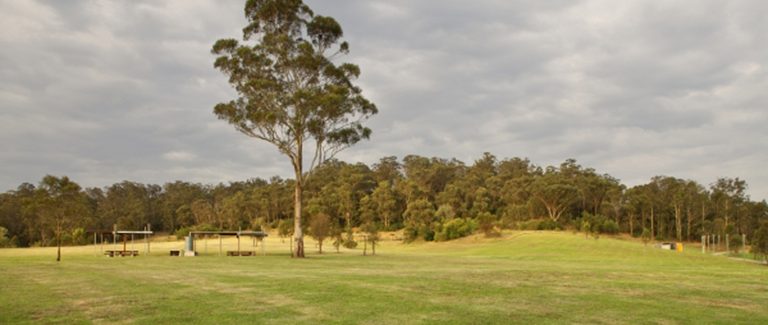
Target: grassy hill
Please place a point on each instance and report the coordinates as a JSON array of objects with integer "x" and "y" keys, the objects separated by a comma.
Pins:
[{"x": 522, "y": 277}]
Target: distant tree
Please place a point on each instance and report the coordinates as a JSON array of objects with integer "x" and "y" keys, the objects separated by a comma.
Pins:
[
  {"x": 289, "y": 90},
  {"x": 735, "y": 243},
  {"x": 586, "y": 227},
  {"x": 4, "y": 240},
  {"x": 728, "y": 192},
  {"x": 349, "y": 241},
  {"x": 64, "y": 205},
  {"x": 487, "y": 224},
  {"x": 646, "y": 236},
  {"x": 760, "y": 242},
  {"x": 419, "y": 216},
  {"x": 371, "y": 231},
  {"x": 555, "y": 191},
  {"x": 285, "y": 229},
  {"x": 320, "y": 228},
  {"x": 337, "y": 232},
  {"x": 385, "y": 199}
]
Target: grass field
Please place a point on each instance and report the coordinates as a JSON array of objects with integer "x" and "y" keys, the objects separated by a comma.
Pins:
[{"x": 523, "y": 277}]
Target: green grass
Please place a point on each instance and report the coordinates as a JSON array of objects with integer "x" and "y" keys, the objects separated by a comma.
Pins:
[{"x": 523, "y": 277}]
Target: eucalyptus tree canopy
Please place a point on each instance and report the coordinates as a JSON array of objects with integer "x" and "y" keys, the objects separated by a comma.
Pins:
[{"x": 290, "y": 92}]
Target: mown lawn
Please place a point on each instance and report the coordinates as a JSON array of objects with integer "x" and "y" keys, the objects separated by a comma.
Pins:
[{"x": 523, "y": 277}]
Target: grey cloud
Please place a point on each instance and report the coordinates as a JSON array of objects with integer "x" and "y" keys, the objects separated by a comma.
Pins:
[{"x": 104, "y": 91}]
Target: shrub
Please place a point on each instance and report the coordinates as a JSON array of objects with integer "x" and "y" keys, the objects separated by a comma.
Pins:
[
  {"x": 548, "y": 225},
  {"x": 349, "y": 241},
  {"x": 427, "y": 233},
  {"x": 285, "y": 228},
  {"x": 410, "y": 234},
  {"x": 4, "y": 240},
  {"x": 529, "y": 225},
  {"x": 734, "y": 241},
  {"x": 182, "y": 232},
  {"x": 487, "y": 224},
  {"x": 609, "y": 227},
  {"x": 79, "y": 236},
  {"x": 455, "y": 228},
  {"x": 646, "y": 235}
]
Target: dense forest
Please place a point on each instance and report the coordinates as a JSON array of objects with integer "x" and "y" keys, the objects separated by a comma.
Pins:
[{"x": 429, "y": 198}]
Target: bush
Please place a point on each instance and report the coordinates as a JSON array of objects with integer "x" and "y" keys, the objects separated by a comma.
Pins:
[
  {"x": 285, "y": 228},
  {"x": 182, "y": 232},
  {"x": 410, "y": 234},
  {"x": 455, "y": 228},
  {"x": 349, "y": 241},
  {"x": 4, "y": 240},
  {"x": 609, "y": 227},
  {"x": 548, "y": 225},
  {"x": 427, "y": 233},
  {"x": 734, "y": 241},
  {"x": 79, "y": 237},
  {"x": 529, "y": 225},
  {"x": 487, "y": 224},
  {"x": 646, "y": 236}
]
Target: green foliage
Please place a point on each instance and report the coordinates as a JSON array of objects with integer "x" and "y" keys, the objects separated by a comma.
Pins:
[
  {"x": 760, "y": 242},
  {"x": 349, "y": 240},
  {"x": 455, "y": 228},
  {"x": 646, "y": 236},
  {"x": 4, "y": 240},
  {"x": 597, "y": 224},
  {"x": 609, "y": 227},
  {"x": 410, "y": 234},
  {"x": 487, "y": 224},
  {"x": 182, "y": 232},
  {"x": 735, "y": 243},
  {"x": 285, "y": 228},
  {"x": 320, "y": 228},
  {"x": 79, "y": 237}
]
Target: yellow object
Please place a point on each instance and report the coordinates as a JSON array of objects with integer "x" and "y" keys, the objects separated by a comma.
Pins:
[{"x": 679, "y": 247}]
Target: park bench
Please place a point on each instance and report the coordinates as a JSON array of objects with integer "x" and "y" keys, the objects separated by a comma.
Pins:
[
  {"x": 175, "y": 252},
  {"x": 240, "y": 253},
  {"x": 113, "y": 253}
]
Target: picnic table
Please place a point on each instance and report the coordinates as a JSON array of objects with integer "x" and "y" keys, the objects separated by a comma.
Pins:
[
  {"x": 113, "y": 253},
  {"x": 241, "y": 253}
]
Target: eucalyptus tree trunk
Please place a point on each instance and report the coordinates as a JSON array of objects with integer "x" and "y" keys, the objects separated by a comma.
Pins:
[
  {"x": 297, "y": 233},
  {"x": 678, "y": 222},
  {"x": 58, "y": 242},
  {"x": 688, "y": 228},
  {"x": 653, "y": 236}
]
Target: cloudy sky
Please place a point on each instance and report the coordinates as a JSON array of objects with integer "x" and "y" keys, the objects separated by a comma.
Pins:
[{"x": 105, "y": 91}]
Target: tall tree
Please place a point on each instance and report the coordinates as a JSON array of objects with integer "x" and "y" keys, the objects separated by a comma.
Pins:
[
  {"x": 64, "y": 205},
  {"x": 290, "y": 91}
]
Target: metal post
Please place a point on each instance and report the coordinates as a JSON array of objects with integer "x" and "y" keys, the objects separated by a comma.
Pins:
[{"x": 133, "y": 247}]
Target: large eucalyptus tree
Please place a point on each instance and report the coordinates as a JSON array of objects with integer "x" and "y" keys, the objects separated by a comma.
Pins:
[{"x": 290, "y": 92}]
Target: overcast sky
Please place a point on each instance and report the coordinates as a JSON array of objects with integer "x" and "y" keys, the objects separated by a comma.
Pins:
[{"x": 105, "y": 91}]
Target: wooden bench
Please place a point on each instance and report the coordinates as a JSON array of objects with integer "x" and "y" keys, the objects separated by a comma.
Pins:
[
  {"x": 175, "y": 252},
  {"x": 240, "y": 253},
  {"x": 112, "y": 253}
]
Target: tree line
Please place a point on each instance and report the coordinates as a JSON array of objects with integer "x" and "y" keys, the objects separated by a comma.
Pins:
[{"x": 428, "y": 198}]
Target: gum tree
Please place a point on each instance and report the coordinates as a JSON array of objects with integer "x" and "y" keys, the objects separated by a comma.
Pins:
[{"x": 291, "y": 93}]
